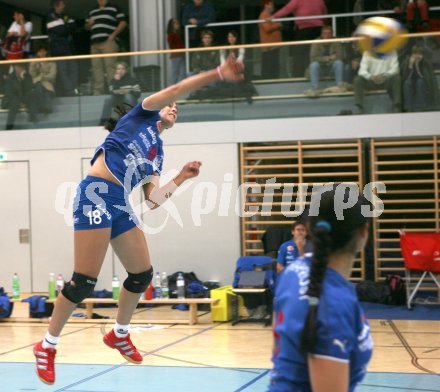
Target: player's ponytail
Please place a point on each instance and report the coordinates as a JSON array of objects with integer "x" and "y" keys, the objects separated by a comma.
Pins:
[
  {"x": 322, "y": 243},
  {"x": 330, "y": 234},
  {"x": 121, "y": 111}
]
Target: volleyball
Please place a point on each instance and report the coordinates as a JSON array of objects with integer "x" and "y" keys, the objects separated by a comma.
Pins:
[{"x": 381, "y": 35}]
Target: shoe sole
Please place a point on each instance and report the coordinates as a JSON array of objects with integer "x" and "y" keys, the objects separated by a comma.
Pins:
[
  {"x": 46, "y": 382},
  {"x": 125, "y": 356}
]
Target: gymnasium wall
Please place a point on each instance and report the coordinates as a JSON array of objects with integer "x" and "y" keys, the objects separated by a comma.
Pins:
[{"x": 202, "y": 234}]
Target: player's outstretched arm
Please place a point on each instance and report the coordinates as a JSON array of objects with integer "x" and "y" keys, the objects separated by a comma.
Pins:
[{"x": 230, "y": 71}]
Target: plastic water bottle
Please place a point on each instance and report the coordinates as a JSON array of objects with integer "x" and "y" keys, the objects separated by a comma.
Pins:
[
  {"x": 164, "y": 285},
  {"x": 157, "y": 286},
  {"x": 115, "y": 287},
  {"x": 15, "y": 286},
  {"x": 52, "y": 290},
  {"x": 180, "y": 283},
  {"x": 60, "y": 284}
]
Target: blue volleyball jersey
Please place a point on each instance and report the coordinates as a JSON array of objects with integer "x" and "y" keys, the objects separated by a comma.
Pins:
[
  {"x": 343, "y": 333},
  {"x": 134, "y": 150},
  {"x": 287, "y": 253}
]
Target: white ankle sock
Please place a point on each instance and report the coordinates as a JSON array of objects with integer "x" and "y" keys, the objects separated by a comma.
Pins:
[
  {"x": 121, "y": 331},
  {"x": 50, "y": 341}
]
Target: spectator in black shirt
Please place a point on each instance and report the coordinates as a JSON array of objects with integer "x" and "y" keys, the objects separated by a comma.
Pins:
[
  {"x": 105, "y": 22},
  {"x": 124, "y": 90},
  {"x": 60, "y": 29},
  {"x": 18, "y": 92}
]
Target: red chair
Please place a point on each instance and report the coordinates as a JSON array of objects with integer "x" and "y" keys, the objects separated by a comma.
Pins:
[{"x": 421, "y": 253}]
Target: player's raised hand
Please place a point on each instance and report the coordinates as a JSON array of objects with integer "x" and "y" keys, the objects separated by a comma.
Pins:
[{"x": 232, "y": 70}]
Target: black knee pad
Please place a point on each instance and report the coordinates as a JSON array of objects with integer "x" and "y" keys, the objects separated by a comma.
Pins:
[
  {"x": 138, "y": 283},
  {"x": 79, "y": 287}
]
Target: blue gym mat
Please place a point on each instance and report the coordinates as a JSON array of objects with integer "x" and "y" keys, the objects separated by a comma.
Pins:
[{"x": 392, "y": 312}]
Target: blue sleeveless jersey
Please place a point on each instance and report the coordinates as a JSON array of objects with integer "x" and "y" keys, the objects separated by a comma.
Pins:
[
  {"x": 134, "y": 150},
  {"x": 343, "y": 333}
]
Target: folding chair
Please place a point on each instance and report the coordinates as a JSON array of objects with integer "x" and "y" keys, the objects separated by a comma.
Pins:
[
  {"x": 421, "y": 253},
  {"x": 254, "y": 295}
]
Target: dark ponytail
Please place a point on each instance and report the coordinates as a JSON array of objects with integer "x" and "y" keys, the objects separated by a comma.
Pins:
[
  {"x": 330, "y": 234},
  {"x": 121, "y": 111},
  {"x": 322, "y": 242}
]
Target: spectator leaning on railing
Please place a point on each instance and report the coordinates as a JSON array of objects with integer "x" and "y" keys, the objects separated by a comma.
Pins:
[
  {"x": 307, "y": 29},
  {"x": 269, "y": 32}
]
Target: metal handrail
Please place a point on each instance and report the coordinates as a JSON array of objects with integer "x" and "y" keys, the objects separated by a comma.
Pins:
[{"x": 333, "y": 17}]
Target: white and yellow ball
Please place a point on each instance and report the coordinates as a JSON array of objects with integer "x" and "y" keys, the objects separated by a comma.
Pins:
[{"x": 381, "y": 35}]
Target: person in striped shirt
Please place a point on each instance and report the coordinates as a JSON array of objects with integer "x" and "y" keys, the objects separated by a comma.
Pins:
[{"x": 105, "y": 22}]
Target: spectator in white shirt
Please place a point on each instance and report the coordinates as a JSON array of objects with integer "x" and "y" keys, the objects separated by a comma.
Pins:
[
  {"x": 232, "y": 38},
  {"x": 21, "y": 29},
  {"x": 378, "y": 73}
]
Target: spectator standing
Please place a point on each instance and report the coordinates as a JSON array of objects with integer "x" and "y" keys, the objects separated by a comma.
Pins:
[
  {"x": 305, "y": 29},
  {"x": 197, "y": 13},
  {"x": 177, "y": 59},
  {"x": 43, "y": 77},
  {"x": 18, "y": 92},
  {"x": 105, "y": 22},
  {"x": 417, "y": 15},
  {"x": 398, "y": 6},
  {"x": 232, "y": 38},
  {"x": 376, "y": 73},
  {"x": 21, "y": 29},
  {"x": 207, "y": 59},
  {"x": 124, "y": 90},
  {"x": 420, "y": 89},
  {"x": 269, "y": 32},
  {"x": 60, "y": 29},
  {"x": 326, "y": 58}
]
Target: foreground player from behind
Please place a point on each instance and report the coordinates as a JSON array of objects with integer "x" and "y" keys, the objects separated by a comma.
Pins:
[
  {"x": 131, "y": 155},
  {"x": 322, "y": 339}
]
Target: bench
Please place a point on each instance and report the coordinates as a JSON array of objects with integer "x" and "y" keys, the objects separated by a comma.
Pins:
[{"x": 192, "y": 302}]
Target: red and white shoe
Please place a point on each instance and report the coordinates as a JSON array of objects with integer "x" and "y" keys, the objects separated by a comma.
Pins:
[
  {"x": 124, "y": 346},
  {"x": 45, "y": 363}
]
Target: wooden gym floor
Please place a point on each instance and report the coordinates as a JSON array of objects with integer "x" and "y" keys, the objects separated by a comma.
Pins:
[{"x": 214, "y": 357}]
